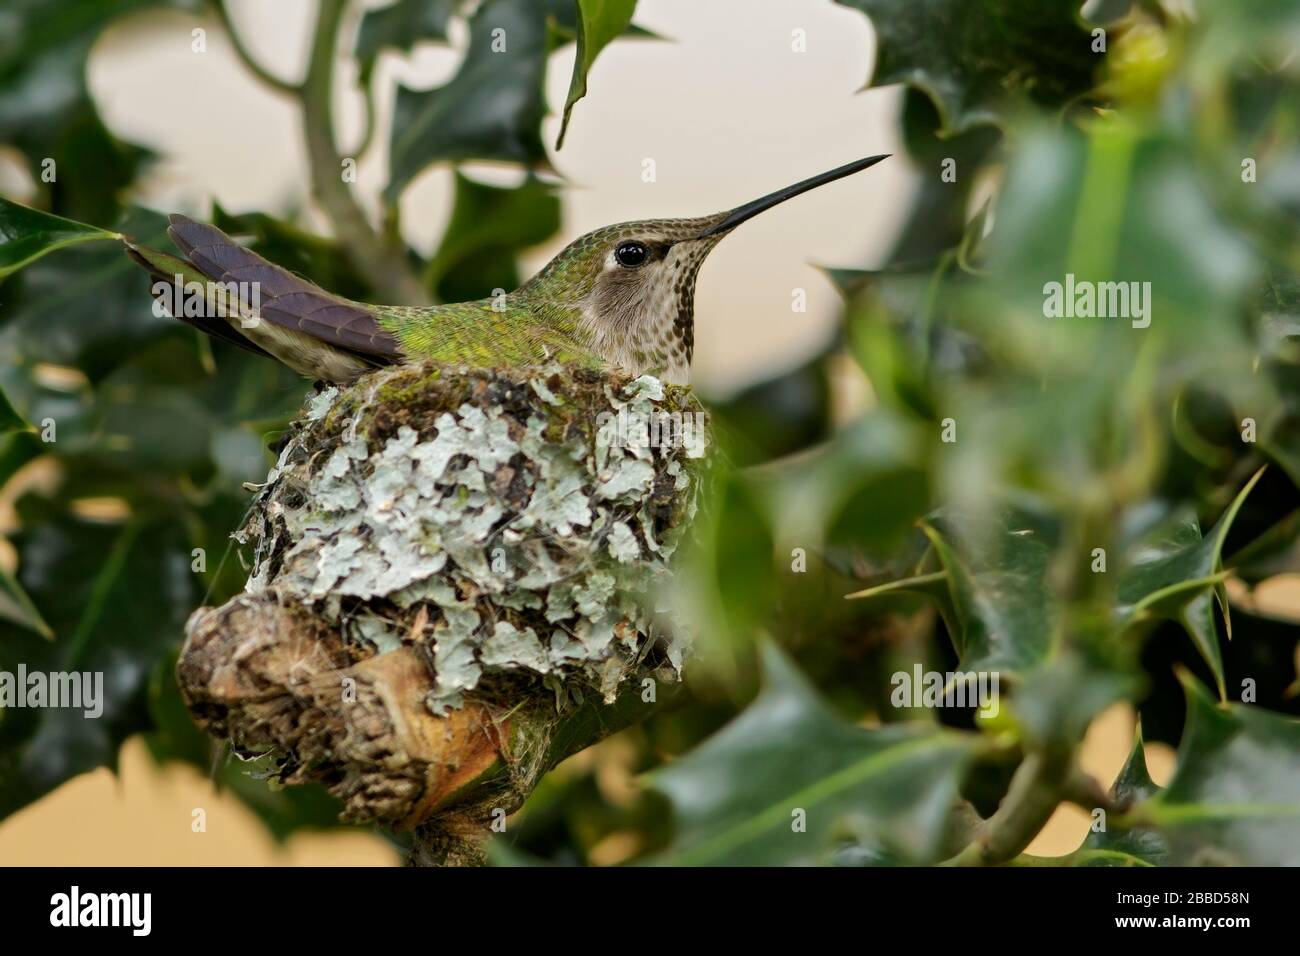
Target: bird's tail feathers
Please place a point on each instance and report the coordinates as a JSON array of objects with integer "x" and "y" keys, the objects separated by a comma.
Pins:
[
  {"x": 260, "y": 306},
  {"x": 171, "y": 275},
  {"x": 284, "y": 299}
]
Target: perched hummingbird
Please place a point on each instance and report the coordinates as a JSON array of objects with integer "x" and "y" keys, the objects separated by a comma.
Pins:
[{"x": 622, "y": 297}]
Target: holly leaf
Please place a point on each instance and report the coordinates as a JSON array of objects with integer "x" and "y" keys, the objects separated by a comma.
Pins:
[
  {"x": 116, "y": 596},
  {"x": 599, "y": 23},
  {"x": 1172, "y": 572},
  {"x": 1091, "y": 206},
  {"x": 493, "y": 107},
  {"x": 28, "y": 234},
  {"x": 1120, "y": 846},
  {"x": 1235, "y": 795},
  {"x": 991, "y": 590},
  {"x": 1056, "y": 702},
  {"x": 401, "y": 26},
  {"x": 974, "y": 59},
  {"x": 489, "y": 227},
  {"x": 88, "y": 308},
  {"x": 1234, "y": 799},
  {"x": 740, "y": 797}
]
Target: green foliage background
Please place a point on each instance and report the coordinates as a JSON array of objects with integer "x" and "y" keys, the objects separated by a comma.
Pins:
[{"x": 1122, "y": 164}]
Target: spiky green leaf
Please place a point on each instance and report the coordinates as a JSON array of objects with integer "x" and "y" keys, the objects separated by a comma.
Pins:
[
  {"x": 788, "y": 781},
  {"x": 599, "y": 23},
  {"x": 28, "y": 234},
  {"x": 971, "y": 59}
]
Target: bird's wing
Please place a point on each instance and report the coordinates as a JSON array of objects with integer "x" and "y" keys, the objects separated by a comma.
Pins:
[{"x": 286, "y": 300}]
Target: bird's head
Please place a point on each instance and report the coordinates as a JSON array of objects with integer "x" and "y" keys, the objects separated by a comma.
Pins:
[{"x": 632, "y": 285}]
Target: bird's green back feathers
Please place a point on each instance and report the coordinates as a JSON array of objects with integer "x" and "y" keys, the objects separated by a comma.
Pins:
[{"x": 485, "y": 332}]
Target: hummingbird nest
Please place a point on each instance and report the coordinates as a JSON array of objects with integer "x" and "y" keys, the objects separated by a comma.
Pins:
[{"x": 454, "y": 583}]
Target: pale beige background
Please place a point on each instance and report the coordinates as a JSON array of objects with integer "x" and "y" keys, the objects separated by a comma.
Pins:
[{"x": 727, "y": 110}]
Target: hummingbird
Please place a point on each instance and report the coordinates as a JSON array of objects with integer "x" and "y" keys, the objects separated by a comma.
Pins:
[{"x": 620, "y": 297}]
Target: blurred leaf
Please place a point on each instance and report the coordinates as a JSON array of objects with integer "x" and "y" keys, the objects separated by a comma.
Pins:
[
  {"x": 1254, "y": 29},
  {"x": 736, "y": 796},
  {"x": 1121, "y": 202},
  {"x": 488, "y": 229},
  {"x": 599, "y": 23},
  {"x": 1281, "y": 443},
  {"x": 17, "y": 448},
  {"x": 493, "y": 107},
  {"x": 26, "y": 235},
  {"x": 903, "y": 335},
  {"x": 88, "y": 308},
  {"x": 10, "y": 420},
  {"x": 775, "y": 417},
  {"x": 726, "y": 583},
  {"x": 16, "y": 606},
  {"x": 1056, "y": 701},
  {"x": 1234, "y": 799},
  {"x": 45, "y": 106},
  {"x": 401, "y": 26},
  {"x": 1277, "y": 302},
  {"x": 968, "y": 57},
  {"x": 1172, "y": 572},
  {"x": 939, "y": 213},
  {"x": 1116, "y": 846},
  {"x": 117, "y": 595},
  {"x": 863, "y": 491}
]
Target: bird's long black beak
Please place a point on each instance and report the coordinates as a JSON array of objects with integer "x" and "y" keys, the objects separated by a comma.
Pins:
[{"x": 751, "y": 209}]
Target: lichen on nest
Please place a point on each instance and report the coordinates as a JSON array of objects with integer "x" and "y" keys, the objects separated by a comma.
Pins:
[{"x": 506, "y": 522}]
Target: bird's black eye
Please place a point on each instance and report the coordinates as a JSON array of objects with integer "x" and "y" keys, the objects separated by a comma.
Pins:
[{"x": 631, "y": 254}]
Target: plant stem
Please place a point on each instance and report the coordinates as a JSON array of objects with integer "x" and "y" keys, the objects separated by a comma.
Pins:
[
  {"x": 1035, "y": 792},
  {"x": 450, "y": 840},
  {"x": 382, "y": 262},
  {"x": 274, "y": 82},
  {"x": 1086, "y": 793},
  {"x": 372, "y": 109}
]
